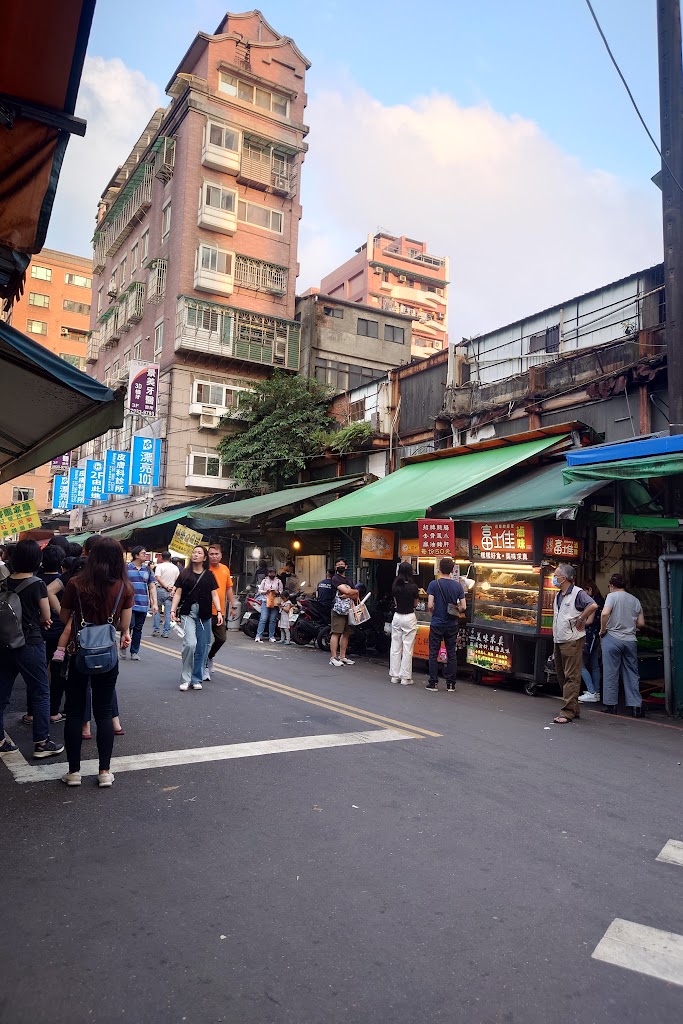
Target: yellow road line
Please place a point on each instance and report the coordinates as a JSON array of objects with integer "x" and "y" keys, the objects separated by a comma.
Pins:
[{"x": 348, "y": 710}]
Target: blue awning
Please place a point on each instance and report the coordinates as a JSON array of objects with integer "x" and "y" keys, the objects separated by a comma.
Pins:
[{"x": 647, "y": 447}]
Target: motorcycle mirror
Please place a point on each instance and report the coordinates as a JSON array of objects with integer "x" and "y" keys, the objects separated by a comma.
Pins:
[{"x": 302, "y": 584}]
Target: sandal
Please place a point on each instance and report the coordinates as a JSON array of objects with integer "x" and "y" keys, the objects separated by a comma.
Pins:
[
  {"x": 27, "y": 719},
  {"x": 562, "y": 720},
  {"x": 88, "y": 737},
  {"x": 58, "y": 718},
  {"x": 119, "y": 732}
]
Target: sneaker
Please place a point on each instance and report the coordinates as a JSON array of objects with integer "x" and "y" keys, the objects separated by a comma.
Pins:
[
  {"x": 336, "y": 662},
  {"x": 105, "y": 779},
  {"x": 347, "y": 661},
  {"x": 59, "y": 654},
  {"x": 7, "y": 747},
  {"x": 72, "y": 778},
  {"x": 156, "y": 632},
  {"x": 165, "y": 636},
  {"x": 286, "y": 642},
  {"x": 272, "y": 640},
  {"x": 450, "y": 688},
  {"x": 406, "y": 682},
  {"x": 196, "y": 686},
  {"x": 48, "y": 748},
  {"x": 395, "y": 680},
  {"x": 123, "y": 653},
  {"x": 589, "y": 698},
  {"x": 259, "y": 640},
  {"x": 431, "y": 686},
  {"x": 609, "y": 709},
  {"x": 184, "y": 686},
  {"x": 135, "y": 657}
]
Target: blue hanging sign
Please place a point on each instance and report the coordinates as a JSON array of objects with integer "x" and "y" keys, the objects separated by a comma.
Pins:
[
  {"x": 76, "y": 486},
  {"x": 60, "y": 494},
  {"x": 116, "y": 472},
  {"x": 94, "y": 480},
  {"x": 146, "y": 461}
]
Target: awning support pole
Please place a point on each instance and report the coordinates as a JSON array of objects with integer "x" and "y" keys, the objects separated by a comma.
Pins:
[{"x": 666, "y": 628}]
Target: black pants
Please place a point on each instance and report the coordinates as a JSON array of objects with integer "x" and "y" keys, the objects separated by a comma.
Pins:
[
  {"x": 54, "y": 671},
  {"x": 102, "y": 687},
  {"x": 449, "y": 636},
  {"x": 219, "y": 637}
]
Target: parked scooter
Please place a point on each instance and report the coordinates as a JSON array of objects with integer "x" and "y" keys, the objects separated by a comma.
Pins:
[
  {"x": 311, "y": 618},
  {"x": 367, "y": 638},
  {"x": 252, "y": 613}
]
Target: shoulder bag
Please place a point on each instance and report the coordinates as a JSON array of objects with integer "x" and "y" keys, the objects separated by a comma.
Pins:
[
  {"x": 452, "y": 609},
  {"x": 96, "y": 650}
]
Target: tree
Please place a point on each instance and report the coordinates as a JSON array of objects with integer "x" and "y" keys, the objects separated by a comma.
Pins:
[{"x": 283, "y": 417}]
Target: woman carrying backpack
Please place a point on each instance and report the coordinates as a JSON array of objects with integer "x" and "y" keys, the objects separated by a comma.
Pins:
[{"x": 101, "y": 593}]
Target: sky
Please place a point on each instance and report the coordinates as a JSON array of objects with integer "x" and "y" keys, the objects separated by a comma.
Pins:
[{"x": 497, "y": 132}]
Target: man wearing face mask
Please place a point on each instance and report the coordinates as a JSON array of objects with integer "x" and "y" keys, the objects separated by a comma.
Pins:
[
  {"x": 270, "y": 590},
  {"x": 572, "y": 608}
]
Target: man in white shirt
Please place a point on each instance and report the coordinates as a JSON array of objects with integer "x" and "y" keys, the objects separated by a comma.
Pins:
[
  {"x": 166, "y": 574},
  {"x": 622, "y": 615}
]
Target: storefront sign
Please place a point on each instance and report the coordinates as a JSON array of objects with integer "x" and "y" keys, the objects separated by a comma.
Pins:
[
  {"x": 502, "y": 542},
  {"x": 143, "y": 387},
  {"x": 436, "y": 537},
  {"x": 76, "y": 486},
  {"x": 184, "y": 540},
  {"x": 94, "y": 480},
  {"x": 377, "y": 544},
  {"x": 61, "y": 463},
  {"x": 489, "y": 650},
  {"x": 146, "y": 461},
  {"x": 60, "y": 494},
  {"x": 116, "y": 472},
  {"x": 19, "y": 517},
  {"x": 562, "y": 547},
  {"x": 408, "y": 547}
]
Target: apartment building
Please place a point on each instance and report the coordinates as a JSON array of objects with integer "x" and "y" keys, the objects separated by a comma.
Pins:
[
  {"x": 54, "y": 310},
  {"x": 195, "y": 251},
  {"x": 398, "y": 275}
]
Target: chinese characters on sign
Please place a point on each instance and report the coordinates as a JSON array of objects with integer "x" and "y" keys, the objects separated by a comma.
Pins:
[
  {"x": 184, "y": 540},
  {"x": 116, "y": 472},
  {"x": 94, "y": 480},
  {"x": 562, "y": 547},
  {"x": 377, "y": 544},
  {"x": 436, "y": 537},
  {"x": 76, "y": 492},
  {"x": 502, "y": 542},
  {"x": 60, "y": 494},
  {"x": 19, "y": 517},
  {"x": 408, "y": 547},
  {"x": 61, "y": 463},
  {"x": 492, "y": 651},
  {"x": 143, "y": 386},
  {"x": 146, "y": 461}
]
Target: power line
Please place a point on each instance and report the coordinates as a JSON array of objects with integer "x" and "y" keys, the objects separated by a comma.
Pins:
[{"x": 630, "y": 94}]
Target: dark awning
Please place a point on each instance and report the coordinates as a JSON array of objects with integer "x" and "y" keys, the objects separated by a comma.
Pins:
[
  {"x": 42, "y": 49},
  {"x": 541, "y": 494},
  {"x": 251, "y": 508},
  {"x": 47, "y": 406}
]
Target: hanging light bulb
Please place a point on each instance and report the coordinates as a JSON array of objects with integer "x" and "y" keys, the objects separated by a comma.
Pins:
[{"x": 256, "y": 553}]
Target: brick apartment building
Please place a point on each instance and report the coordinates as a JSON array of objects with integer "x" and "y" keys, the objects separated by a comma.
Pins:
[
  {"x": 398, "y": 275},
  {"x": 195, "y": 251},
  {"x": 54, "y": 311}
]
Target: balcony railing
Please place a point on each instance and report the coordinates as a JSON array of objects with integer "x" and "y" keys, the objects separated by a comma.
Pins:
[
  {"x": 134, "y": 302},
  {"x": 261, "y": 276},
  {"x": 117, "y": 377},
  {"x": 92, "y": 349},
  {"x": 164, "y": 159},
  {"x": 236, "y": 334},
  {"x": 110, "y": 330},
  {"x": 134, "y": 200},
  {"x": 263, "y": 171},
  {"x": 156, "y": 286},
  {"x": 414, "y": 255}
]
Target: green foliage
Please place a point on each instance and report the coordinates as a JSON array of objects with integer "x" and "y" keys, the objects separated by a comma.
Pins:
[
  {"x": 352, "y": 438},
  {"x": 283, "y": 417}
]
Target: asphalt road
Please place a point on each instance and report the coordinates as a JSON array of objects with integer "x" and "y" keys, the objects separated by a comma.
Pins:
[{"x": 460, "y": 877}]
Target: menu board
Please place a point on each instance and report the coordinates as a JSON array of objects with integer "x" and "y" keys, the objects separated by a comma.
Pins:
[
  {"x": 436, "y": 537},
  {"x": 502, "y": 542},
  {"x": 489, "y": 650}
]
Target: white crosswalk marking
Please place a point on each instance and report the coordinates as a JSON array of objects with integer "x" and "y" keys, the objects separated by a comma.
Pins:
[
  {"x": 671, "y": 853},
  {"x": 645, "y": 950}
]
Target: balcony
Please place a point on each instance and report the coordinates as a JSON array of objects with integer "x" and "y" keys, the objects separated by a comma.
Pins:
[
  {"x": 164, "y": 159},
  {"x": 221, "y": 148},
  {"x": 117, "y": 377},
  {"x": 218, "y": 209},
  {"x": 156, "y": 285},
  {"x": 413, "y": 255},
  {"x": 213, "y": 270},
  {"x": 238, "y": 334},
  {"x": 129, "y": 207},
  {"x": 92, "y": 349},
  {"x": 110, "y": 330},
  {"x": 267, "y": 170},
  {"x": 260, "y": 276},
  {"x": 132, "y": 305}
]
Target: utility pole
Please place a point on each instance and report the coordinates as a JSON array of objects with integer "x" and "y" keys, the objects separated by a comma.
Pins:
[{"x": 671, "y": 128}]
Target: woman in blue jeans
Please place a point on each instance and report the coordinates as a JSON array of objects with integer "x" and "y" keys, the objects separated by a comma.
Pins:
[
  {"x": 195, "y": 595},
  {"x": 270, "y": 591},
  {"x": 590, "y": 672}
]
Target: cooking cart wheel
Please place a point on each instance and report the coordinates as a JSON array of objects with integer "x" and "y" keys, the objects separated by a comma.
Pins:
[{"x": 532, "y": 689}]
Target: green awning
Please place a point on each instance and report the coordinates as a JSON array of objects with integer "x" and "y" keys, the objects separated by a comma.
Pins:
[
  {"x": 171, "y": 515},
  {"x": 670, "y": 464},
  {"x": 538, "y": 495},
  {"x": 78, "y": 538},
  {"x": 250, "y": 508},
  {"x": 407, "y": 494}
]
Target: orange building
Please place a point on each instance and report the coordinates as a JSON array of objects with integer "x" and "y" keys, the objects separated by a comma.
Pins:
[
  {"x": 54, "y": 311},
  {"x": 399, "y": 276}
]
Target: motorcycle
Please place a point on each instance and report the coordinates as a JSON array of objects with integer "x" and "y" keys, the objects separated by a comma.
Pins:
[
  {"x": 311, "y": 618},
  {"x": 251, "y": 614},
  {"x": 366, "y": 638}
]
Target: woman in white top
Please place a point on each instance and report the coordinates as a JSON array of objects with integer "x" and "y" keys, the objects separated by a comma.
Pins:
[{"x": 270, "y": 590}]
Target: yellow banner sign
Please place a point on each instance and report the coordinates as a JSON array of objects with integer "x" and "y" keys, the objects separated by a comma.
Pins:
[
  {"x": 184, "y": 539},
  {"x": 408, "y": 546},
  {"x": 18, "y": 518},
  {"x": 377, "y": 544}
]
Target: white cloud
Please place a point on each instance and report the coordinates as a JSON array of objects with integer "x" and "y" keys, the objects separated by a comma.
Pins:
[
  {"x": 524, "y": 223},
  {"x": 117, "y": 103}
]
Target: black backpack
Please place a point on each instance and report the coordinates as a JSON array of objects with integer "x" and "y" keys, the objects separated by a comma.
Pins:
[{"x": 11, "y": 632}]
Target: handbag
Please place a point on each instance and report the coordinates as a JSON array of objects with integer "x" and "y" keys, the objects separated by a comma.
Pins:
[
  {"x": 358, "y": 614},
  {"x": 96, "y": 650},
  {"x": 452, "y": 609},
  {"x": 342, "y": 605}
]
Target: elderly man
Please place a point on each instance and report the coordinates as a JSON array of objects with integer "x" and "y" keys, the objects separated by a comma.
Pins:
[
  {"x": 572, "y": 608},
  {"x": 621, "y": 616}
]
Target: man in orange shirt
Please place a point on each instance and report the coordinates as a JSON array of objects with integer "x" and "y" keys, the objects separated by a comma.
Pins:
[{"x": 226, "y": 598}]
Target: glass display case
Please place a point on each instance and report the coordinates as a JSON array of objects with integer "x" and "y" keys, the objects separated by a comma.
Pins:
[{"x": 507, "y": 597}]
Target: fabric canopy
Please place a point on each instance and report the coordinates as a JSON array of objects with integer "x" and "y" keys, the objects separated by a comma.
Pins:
[
  {"x": 405, "y": 495},
  {"x": 250, "y": 508},
  {"x": 644, "y": 447},
  {"x": 628, "y": 469},
  {"x": 541, "y": 494},
  {"x": 47, "y": 406},
  {"x": 171, "y": 515}
]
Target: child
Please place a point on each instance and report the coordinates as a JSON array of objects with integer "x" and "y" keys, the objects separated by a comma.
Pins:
[{"x": 285, "y": 609}]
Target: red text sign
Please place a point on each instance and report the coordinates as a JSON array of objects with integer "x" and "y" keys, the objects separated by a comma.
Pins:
[
  {"x": 436, "y": 537},
  {"x": 562, "y": 547},
  {"x": 502, "y": 542}
]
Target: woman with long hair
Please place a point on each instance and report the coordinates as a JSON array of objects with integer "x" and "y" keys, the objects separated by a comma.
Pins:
[
  {"x": 590, "y": 673},
  {"x": 196, "y": 593},
  {"x": 403, "y": 625},
  {"x": 99, "y": 593}
]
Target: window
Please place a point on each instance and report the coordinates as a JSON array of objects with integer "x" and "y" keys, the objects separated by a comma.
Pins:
[
  {"x": 260, "y": 216},
  {"x": 158, "y": 338},
  {"x": 343, "y": 376},
  {"x": 208, "y": 465},
  {"x": 545, "y": 341},
  {"x": 333, "y": 311},
  {"x": 100, "y": 290},
  {"x": 134, "y": 259},
  {"x": 144, "y": 242},
  {"x": 205, "y": 318},
  {"x": 221, "y": 395},
  {"x": 126, "y": 356},
  {"x": 78, "y": 279},
  {"x": 36, "y": 299},
  {"x": 36, "y": 327},
  {"x": 122, "y": 273},
  {"x": 395, "y": 334},
  {"x": 23, "y": 493},
  {"x": 137, "y": 349},
  {"x": 42, "y": 273},
  {"x": 76, "y": 307},
  {"x": 217, "y": 260},
  {"x": 367, "y": 328},
  {"x": 275, "y": 102},
  {"x": 219, "y": 198},
  {"x": 77, "y": 361},
  {"x": 73, "y": 334},
  {"x": 223, "y": 137},
  {"x": 165, "y": 222}
]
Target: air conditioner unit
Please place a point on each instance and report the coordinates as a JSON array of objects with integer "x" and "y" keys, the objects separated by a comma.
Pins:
[
  {"x": 64, "y": 332},
  {"x": 209, "y": 421},
  {"x": 402, "y": 278}
]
